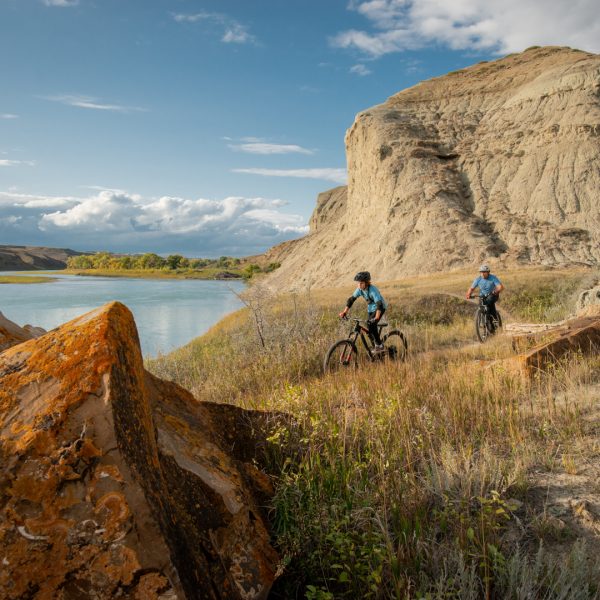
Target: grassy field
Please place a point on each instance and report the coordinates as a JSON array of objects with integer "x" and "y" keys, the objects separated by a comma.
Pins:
[
  {"x": 24, "y": 279},
  {"x": 446, "y": 476}
]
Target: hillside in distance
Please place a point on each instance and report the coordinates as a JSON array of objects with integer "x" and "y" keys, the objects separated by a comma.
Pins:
[
  {"x": 34, "y": 258},
  {"x": 497, "y": 162}
]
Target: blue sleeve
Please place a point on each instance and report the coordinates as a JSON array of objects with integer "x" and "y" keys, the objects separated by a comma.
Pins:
[
  {"x": 495, "y": 280},
  {"x": 475, "y": 282},
  {"x": 356, "y": 293}
]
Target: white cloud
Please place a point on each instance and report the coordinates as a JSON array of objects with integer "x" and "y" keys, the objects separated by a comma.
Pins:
[
  {"x": 16, "y": 163},
  {"x": 267, "y": 148},
  {"x": 120, "y": 221},
  {"x": 233, "y": 31},
  {"x": 360, "y": 70},
  {"x": 8, "y": 116},
  {"x": 492, "y": 25},
  {"x": 92, "y": 103},
  {"x": 335, "y": 175},
  {"x": 61, "y": 2}
]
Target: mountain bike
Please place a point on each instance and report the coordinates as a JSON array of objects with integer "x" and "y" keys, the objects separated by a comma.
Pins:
[
  {"x": 485, "y": 324},
  {"x": 343, "y": 354}
]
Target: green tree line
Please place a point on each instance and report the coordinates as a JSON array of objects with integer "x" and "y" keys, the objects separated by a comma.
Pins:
[{"x": 173, "y": 262}]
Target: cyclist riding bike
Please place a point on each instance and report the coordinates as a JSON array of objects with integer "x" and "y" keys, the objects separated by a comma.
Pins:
[
  {"x": 489, "y": 289},
  {"x": 376, "y": 305}
]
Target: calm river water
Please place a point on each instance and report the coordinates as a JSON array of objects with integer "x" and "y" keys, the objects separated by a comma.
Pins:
[{"x": 168, "y": 312}]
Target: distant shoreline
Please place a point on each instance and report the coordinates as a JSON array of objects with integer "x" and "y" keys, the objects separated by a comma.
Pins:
[
  {"x": 25, "y": 279},
  {"x": 205, "y": 274}
]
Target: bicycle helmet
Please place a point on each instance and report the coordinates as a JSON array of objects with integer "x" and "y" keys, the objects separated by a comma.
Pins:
[
  {"x": 363, "y": 276},
  {"x": 484, "y": 269}
]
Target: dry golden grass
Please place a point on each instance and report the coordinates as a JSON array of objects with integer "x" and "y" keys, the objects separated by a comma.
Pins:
[{"x": 419, "y": 479}]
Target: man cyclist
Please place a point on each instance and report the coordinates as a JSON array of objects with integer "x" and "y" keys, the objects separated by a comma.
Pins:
[
  {"x": 376, "y": 305},
  {"x": 489, "y": 288}
]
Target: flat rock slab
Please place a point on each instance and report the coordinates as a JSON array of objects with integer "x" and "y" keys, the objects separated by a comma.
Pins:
[
  {"x": 580, "y": 335},
  {"x": 114, "y": 483}
]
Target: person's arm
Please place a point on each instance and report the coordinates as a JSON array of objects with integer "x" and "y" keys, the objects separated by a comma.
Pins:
[
  {"x": 378, "y": 299},
  {"x": 472, "y": 288},
  {"x": 499, "y": 287},
  {"x": 349, "y": 304}
]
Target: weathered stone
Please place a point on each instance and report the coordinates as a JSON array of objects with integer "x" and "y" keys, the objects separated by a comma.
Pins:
[
  {"x": 114, "y": 483},
  {"x": 589, "y": 301},
  {"x": 582, "y": 336},
  {"x": 11, "y": 334},
  {"x": 497, "y": 162}
]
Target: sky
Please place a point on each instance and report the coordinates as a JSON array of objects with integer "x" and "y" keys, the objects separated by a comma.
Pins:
[{"x": 208, "y": 127}]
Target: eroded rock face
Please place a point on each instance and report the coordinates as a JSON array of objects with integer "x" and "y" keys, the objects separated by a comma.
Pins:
[
  {"x": 11, "y": 334},
  {"x": 116, "y": 484},
  {"x": 497, "y": 162}
]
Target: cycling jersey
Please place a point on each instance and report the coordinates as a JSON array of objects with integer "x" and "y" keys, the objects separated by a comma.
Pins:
[
  {"x": 486, "y": 286},
  {"x": 372, "y": 296}
]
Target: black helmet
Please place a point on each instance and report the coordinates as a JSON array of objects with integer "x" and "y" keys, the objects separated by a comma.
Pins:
[{"x": 363, "y": 276}]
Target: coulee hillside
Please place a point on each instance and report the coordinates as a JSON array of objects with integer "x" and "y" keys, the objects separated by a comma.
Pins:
[{"x": 499, "y": 161}]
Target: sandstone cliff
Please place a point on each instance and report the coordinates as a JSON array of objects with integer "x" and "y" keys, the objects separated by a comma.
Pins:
[
  {"x": 31, "y": 258},
  {"x": 11, "y": 334},
  {"x": 114, "y": 483},
  {"x": 497, "y": 162}
]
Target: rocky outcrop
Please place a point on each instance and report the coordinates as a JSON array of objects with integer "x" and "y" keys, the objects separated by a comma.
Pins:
[
  {"x": 497, "y": 162},
  {"x": 34, "y": 258},
  {"x": 114, "y": 483},
  {"x": 581, "y": 337},
  {"x": 589, "y": 301},
  {"x": 11, "y": 334}
]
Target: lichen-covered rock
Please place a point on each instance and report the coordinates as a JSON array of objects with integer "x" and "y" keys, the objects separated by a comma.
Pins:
[
  {"x": 11, "y": 334},
  {"x": 116, "y": 484},
  {"x": 497, "y": 162},
  {"x": 579, "y": 336}
]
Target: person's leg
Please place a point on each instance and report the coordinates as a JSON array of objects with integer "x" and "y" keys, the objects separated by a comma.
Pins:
[
  {"x": 491, "y": 304},
  {"x": 374, "y": 330}
]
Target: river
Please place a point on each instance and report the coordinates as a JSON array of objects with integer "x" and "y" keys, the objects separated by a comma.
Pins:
[{"x": 168, "y": 312}]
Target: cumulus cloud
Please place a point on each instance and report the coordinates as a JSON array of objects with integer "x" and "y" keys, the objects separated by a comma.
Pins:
[
  {"x": 487, "y": 25},
  {"x": 335, "y": 175},
  {"x": 233, "y": 31},
  {"x": 16, "y": 163},
  {"x": 360, "y": 70},
  {"x": 119, "y": 221},
  {"x": 61, "y": 2},
  {"x": 92, "y": 103},
  {"x": 269, "y": 148}
]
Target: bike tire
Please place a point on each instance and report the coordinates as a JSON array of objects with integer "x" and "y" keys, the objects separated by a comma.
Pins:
[
  {"x": 342, "y": 355},
  {"x": 396, "y": 345},
  {"x": 499, "y": 319},
  {"x": 481, "y": 326}
]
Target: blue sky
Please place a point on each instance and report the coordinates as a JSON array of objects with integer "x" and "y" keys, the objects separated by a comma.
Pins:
[{"x": 209, "y": 127}]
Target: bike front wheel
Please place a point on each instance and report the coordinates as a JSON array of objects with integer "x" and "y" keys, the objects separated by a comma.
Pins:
[
  {"x": 396, "y": 345},
  {"x": 481, "y": 326},
  {"x": 342, "y": 355}
]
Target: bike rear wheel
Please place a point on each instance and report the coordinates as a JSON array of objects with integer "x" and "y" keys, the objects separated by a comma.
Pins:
[
  {"x": 481, "y": 325},
  {"x": 396, "y": 345},
  {"x": 342, "y": 355}
]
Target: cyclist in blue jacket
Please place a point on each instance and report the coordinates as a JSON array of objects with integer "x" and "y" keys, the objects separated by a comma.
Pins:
[
  {"x": 376, "y": 305},
  {"x": 489, "y": 286}
]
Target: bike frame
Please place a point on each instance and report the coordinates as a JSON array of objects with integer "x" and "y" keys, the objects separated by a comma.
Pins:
[{"x": 360, "y": 330}]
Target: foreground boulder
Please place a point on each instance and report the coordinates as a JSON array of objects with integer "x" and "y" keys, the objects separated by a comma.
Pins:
[{"x": 114, "y": 483}]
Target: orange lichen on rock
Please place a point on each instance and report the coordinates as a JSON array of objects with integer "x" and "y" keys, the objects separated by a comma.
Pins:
[
  {"x": 581, "y": 336},
  {"x": 114, "y": 483}
]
